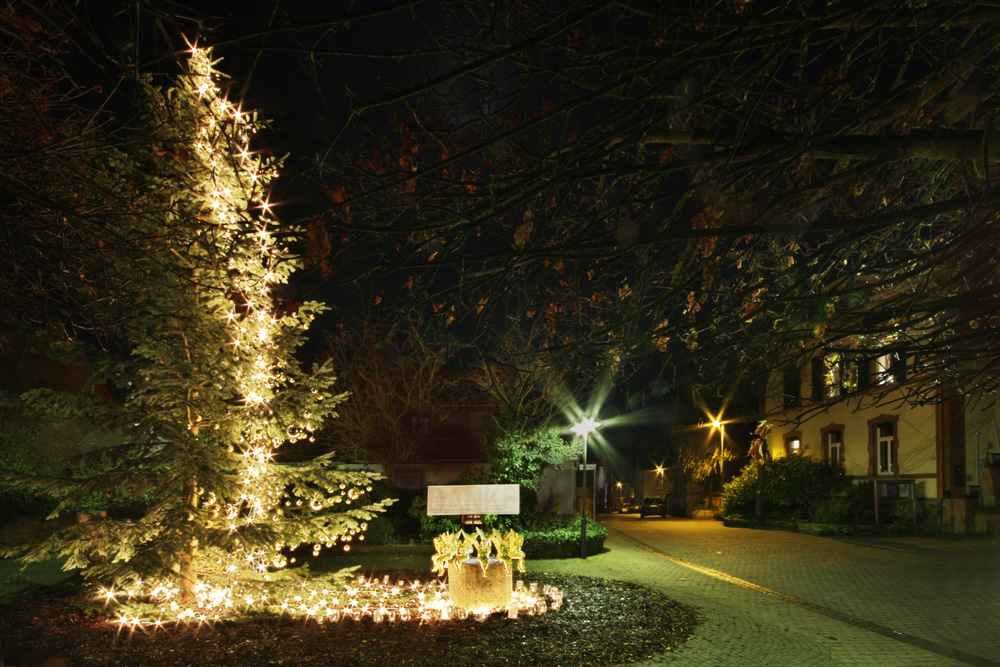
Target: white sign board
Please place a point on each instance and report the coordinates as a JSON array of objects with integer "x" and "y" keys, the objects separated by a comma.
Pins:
[{"x": 473, "y": 499}]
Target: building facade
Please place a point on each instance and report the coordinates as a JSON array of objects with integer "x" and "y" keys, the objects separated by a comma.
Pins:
[{"x": 873, "y": 427}]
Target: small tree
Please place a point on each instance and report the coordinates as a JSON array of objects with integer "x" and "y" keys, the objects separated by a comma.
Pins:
[
  {"x": 400, "y": 388},
  {"x": 210, "y": 387},
  {"x": 701, "y": 459},
  {"x": 520, "y": 457}
]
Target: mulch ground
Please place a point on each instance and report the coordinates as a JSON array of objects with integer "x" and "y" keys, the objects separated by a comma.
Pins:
[{"x": 601, "y": 623}]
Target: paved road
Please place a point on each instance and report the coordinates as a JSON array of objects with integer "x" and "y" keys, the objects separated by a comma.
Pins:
[{"x": 778, "y": 598}]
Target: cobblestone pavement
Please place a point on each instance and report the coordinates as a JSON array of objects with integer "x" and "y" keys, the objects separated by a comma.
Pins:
[{"x": 779, "y": 598}]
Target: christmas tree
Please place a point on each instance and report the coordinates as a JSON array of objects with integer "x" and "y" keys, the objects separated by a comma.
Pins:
[{"x": 209, "y": 383}]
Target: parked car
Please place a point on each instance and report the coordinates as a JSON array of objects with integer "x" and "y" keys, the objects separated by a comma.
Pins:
[
  {"x": 653, "y": 506},
  {"x": 628, "y": 505}
]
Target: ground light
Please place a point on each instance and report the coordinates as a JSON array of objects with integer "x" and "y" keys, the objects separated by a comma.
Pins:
[
  {"x": 356, "y": 599},
  {"x": 585, "y": 428}
]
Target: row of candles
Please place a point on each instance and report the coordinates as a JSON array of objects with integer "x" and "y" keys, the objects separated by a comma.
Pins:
[{"x": 371, "y": 598}]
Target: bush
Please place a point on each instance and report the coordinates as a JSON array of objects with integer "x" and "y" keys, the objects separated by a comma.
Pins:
[
  {"x": 404, "y": 526},
  {"x": 740, "y": 494},
  {"x": 832, "y": 512},
  {"x": 545, "y": 535},
  {"x": 380, "y": 531},
  {"x": 15, "y": 503},
  {"x": 858, "y": 503},
  {"x": 558, "y": 536},
  {"x": 794, "y": 486},
  {"x": 430, "y": 526},
  {"x": 905, "y": 513}
]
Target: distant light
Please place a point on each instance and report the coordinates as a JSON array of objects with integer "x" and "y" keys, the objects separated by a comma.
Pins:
[{"x": 716, "y": 423}]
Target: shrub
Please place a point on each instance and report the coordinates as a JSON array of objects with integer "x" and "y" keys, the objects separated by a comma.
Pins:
[
  {"x": 380, "y": 530},
  {"x": 740, "y": 494},
  {"x": 832, "y": 512},
  {"x": 905, "y": 513},
  {"x": 794, "y": 486},
  {"x": 405, "y": 526},
  {"x": 558, "y": 536},
  {"x": 545, "y": 535},
  {"x": 431, "y": 526},
  {"x": 15, "y": 503},
  {"x": 858, "y": 503}
]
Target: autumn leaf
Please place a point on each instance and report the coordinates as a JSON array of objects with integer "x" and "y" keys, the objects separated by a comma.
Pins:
[
  {"x": 691, "y": 340},
  {"x": 523, "y": 234},
  {"x": 317, "y": 243}
]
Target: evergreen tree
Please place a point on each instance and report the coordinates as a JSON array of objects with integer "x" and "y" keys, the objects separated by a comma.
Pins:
[{"x": 205, "y": 363}]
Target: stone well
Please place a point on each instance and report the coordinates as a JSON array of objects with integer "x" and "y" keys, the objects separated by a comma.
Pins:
[{"x": 477, "y": 591}]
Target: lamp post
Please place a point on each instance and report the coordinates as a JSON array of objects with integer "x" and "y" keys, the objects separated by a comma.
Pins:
[
  {"x": 722, "y": 453},
  {"x": 585, "y": 428}
]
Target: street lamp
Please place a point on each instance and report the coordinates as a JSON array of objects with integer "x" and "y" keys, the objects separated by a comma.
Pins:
[
  {"x": 585, "y": 428},
  {"x": 722, "y": 453}
]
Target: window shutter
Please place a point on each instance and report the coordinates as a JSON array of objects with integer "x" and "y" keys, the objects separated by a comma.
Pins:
[
  {"x": 898, "y": 369},
  {"x": 864, "y": 372},
  {"x": 817, "y": 378},
  {"x": 792, "y": 388}
]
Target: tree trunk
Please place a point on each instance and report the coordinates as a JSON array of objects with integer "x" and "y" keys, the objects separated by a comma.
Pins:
[{"x": 188, "y": 566}]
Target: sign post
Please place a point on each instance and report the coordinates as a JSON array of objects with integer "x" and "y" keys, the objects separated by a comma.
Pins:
[{"x": 472, "y": 501}]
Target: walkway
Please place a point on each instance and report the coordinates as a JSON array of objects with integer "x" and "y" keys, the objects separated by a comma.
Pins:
[{"x": 779, "y": 598}]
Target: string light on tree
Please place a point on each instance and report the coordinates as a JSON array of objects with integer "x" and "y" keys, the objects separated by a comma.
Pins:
[{"x": 212, "y": 385}]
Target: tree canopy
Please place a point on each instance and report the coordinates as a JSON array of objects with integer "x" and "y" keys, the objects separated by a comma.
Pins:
[
  {"x": 698, "y": 189},
  {"x": 651, "y": 183}
]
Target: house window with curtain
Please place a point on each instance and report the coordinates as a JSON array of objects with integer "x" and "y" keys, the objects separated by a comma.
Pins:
[
  {"x": 793, "y": 443},
  {"x": 833, "y": 376},
  {"x": 834, "y": 447},
  {"x": 883, "y": 445},
  {"x": 883, "y": 369},
  {"x": 885, "y": 455},
  {"x": 827, "y": 374},
  {"x": 832, "y": 438},
  {"x": 889, "y": 368}
]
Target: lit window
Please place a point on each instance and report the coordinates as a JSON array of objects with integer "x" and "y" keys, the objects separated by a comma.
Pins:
[
  {"x": 793, "y": 445},
  {"x": 884, "y": 455},
  {"x": 833, "y": 377},
  {"x": 883, "y": 369}
]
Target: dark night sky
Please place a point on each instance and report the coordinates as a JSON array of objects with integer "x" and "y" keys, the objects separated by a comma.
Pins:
[{"x": 268, "y": 65}]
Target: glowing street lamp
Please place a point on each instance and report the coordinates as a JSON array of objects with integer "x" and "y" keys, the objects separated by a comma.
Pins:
[
  {"x": 585, "y": 428},
  {"x": 716, "y": 424}
]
